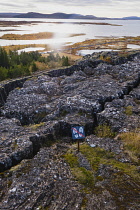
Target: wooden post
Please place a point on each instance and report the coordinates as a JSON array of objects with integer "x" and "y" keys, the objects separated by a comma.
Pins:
[{"x": 78, "y": 145}]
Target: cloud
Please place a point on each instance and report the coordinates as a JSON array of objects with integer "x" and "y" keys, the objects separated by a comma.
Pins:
[
  {"x": 75, "y": 2},
  {"x": 25, "y": 3},
  {"x": 106, "y": 8},
  {"x": 9, "y": 5}
]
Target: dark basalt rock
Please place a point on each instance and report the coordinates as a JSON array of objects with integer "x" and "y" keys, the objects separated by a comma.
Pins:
[
  {"x": 18, "y": 143},
  {"x": 46, "y": 182},
  {"x": 51, "y": 179},
  {"x": 135, "y": 93},
  {"x": 121, "y": 114},
  {"x": 109, "y": 144},
  {"x": 115, "y": 58},
  {"x": 6, "y": 87},
  {"x": 49, "y": 100},
  {"x": 41, "y": 111},
  {"x": 66, "y": 71},
  {"x": 15, "y": 144}
]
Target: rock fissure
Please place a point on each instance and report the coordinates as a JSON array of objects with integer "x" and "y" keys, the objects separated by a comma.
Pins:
[
  {"x": 41, "y": 113},
  {"x": 6, "y": 88},
  {"x": 85, "y": 94}
]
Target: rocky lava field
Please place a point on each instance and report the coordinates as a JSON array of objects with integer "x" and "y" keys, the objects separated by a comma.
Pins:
[{"x": 36, "y": 116}]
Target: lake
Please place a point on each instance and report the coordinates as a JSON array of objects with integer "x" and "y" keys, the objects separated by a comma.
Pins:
[{"x": 62, "y": 31}]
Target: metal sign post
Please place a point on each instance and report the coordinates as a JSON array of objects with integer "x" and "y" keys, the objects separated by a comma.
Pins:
[{"x": 78, "y": 133}]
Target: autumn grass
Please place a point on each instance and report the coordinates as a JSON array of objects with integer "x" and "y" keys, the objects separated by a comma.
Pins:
[
  {"x": 35, "y": 36},
  {"x": 100, "y": 43},
  {"x": 132, "y": 144},
  {"x": 17, "y": 23},
  {"x": 19, "y": 47},
  {"x": 36, "y": 126},
  {"x": 73, "y": 35},
  {"x": 104, "y": 131},
  {"x": 114, "y": 43},
  {"x": 128, "y": 110}
]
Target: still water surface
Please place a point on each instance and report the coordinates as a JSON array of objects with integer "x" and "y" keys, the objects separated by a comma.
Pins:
[{"x": 64, "y": 28}]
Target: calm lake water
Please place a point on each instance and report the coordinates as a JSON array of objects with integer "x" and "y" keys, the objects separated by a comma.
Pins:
[{"x": 62, "y": 31}]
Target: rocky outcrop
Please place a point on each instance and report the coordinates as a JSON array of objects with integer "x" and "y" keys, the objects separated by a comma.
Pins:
[
  {"x": 52, "y": 180},
  {"x": 69, "y": 97},
  {"x": 18, "y": 143},
  {"x": 46, "y": 182},
  {"x": 41, "y": 111},
  {"x": 85, "y": 98},
  {"x": 121, "y": 114},
  {"x": 6, "y": 87},
  {"x": 15, "y": 144}
]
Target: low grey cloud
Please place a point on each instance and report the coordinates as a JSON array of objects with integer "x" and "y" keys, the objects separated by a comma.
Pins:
[
  {"x": 86, "y": 2},
  {"x": 94, "y": 7},
  {"x": 9, "y": 5},
  {"x": 70, "y": 2},
  {"x": 76, "y": 2}
]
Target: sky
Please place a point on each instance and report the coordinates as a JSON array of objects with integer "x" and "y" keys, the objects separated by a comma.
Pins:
[{"x": 99, "y": 8}]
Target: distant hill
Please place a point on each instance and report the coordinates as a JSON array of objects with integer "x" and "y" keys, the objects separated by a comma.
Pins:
[
  {"x": 55, "y": 16},
  {"x": 131, "y": 18},
  {"x": 60, "y": 15},
  {"x": 8, "y": 15}
]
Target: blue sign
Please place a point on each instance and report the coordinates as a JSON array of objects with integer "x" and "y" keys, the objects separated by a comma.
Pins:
[{"x": 78, "y": 132}]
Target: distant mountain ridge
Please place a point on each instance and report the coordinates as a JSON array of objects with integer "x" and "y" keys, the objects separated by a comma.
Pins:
[
  {"x": 8, "y": 15},
  {"x": 131, "y": 18},
  {"x": 60, "y": 15}
]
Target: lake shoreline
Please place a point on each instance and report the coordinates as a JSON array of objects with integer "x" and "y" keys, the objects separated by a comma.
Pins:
[{"x": 57, "y": 36}]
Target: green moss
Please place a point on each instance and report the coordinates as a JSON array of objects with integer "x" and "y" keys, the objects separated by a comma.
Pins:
[
  {"x": 15, "y": 168},
  {"x": 5, "y": 174},
  {"x": 128, "y": 110},
  {"x": 137, "y": 101},
  {"x": 125, "y": 168},
  {"x": 36, "y": 126},
  {"x": 84, "y": 203},
  {"x": 97, "y": 156},
  {"x": 99, "y": 178},
  {"x": 22, "y": 168},
  {"x": 72, "y": 160},
  {"x": 14, "y": 145},
  {"x": 84, "y": 176},
  {"x": 9, "y": 182}
]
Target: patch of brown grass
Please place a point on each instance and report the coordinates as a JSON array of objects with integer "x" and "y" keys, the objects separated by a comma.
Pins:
[
  {"x": 41, "y": 66},
  {"x": 41, "y": 35},
  {"x": 104, "y": 131},
  {"x": 19, "y": 47},
  {"x": 132, "y": 144}
]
